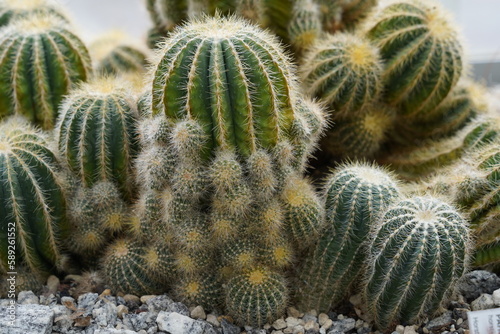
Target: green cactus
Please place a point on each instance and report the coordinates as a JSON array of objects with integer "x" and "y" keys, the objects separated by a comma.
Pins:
[
  {"x": 32, "y": 200},
  {"x": 355, "y": 10},
  {"x": 421, "y": 51},
  {"x": 97, "y": 134},
  {"x": 113, "y": 53},
  {"x": 203, "y": 290},
  {"x": 419, "y": 252},
  {"x": 11, "y": 10},
  {"x": 464, "y": 103},
  {"x": 360, "y": 136},
  {"x": 420, "y": 161},
  {"x": 305, "y": 24},
  {"x": 132, "y": 268},
  {"x": 256, "y": 297},
  {"x": 30, "y": 84},
  {"x": 355, "y": 197},
  {"x": 344, "y": 71}
]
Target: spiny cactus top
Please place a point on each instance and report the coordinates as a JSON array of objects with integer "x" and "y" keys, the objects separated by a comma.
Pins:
[
  {"x": 421, "y": 51},
  {"x": 31, "y": 198},
  {"x": 14, "y": 9},
  {"x": 96, "y": 133},
  {"x": 234, "y": 80},
  {"x": 419, "y": 252},
  {"x": 41, "y": 60},
  {"x": 344, "y": 70},
  {"x": 114, "y": 53},
  {"x": 355, "y": 197}
]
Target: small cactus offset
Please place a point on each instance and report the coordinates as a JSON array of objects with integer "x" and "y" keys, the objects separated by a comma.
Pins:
[
  {"x": 421, "y": 51},
  {"x": 32, "y": 200},
  {"x": 305, "y": 24},
  {"x": 419, "y": 252},
  {"x": 355, "y": 197},
  {"x": 344, "y": 71},
  {"x": 97, "y": 134},
  {"x": 256, "y": 297},
  {"x": 113, "y": 53},
  {"x": 10, "y": 10},
  {"x": 41, "y": 61}
]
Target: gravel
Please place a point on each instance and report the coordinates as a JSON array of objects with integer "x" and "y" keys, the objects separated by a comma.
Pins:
[{"x": 107, "y": 314}]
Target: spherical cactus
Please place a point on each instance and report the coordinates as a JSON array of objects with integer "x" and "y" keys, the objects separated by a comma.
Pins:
[
  {"x": 303, "y": 211},
  {"x": 344, "y": 71},
  {"x": 96, "y": 134},
  {"x": 32, "y": 85},
  {"x": 32, "y": 201},
  {"x": 10, "y": 10},
  {"x": 462, "y": 104},
  {"x": 256, "y": 297},
  {"x": 204, "y": 290},
  {"x": 305, "y": 24},
  {"x": 114, "y": 54},
  {"x": 419, "y": 252},
  {"x": 354, "y": 10},
  {"x": 355, "y": 197},
  {"x": 421, "y": 51},
  {"x": 232, "y": 79},
  {"x": 360, "y": 136},
  {"x": 132, "y": 268}
]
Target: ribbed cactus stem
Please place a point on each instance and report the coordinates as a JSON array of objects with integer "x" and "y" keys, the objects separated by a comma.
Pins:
[
  {"x": 418, "y": 254},
  {"x": 31, "y": 85},
  {"x": 305, "y": 24},
  {"x": 97, "y": 134},
  {"x": 11, "y": 10},
  {"x": 249, "y": 109},
  {"x": 32, "y": 197},
  {"x": 256, "y": 297},
  {"x": 355, "y": 196},
  {"x": 344, "y": 70},
  {"x": 422, "y": 54}
]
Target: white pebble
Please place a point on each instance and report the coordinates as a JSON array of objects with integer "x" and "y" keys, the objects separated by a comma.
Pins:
[{"x": 212, "y": 319}]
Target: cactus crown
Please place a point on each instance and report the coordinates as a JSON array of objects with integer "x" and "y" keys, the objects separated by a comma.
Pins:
[{"x": 232, "y": 78}]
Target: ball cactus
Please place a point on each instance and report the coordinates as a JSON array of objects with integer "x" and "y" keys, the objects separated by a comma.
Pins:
[
  {"x": 10, "y": 10},
  {"x": 41, "y": 60},
  {"x": 344, "y": 71},
  {"x": 32, "y": 200},
  {"x": 422, "y": 53},
  {"x": 355, "y": 197},
  {"x": 419, "y": 252},
  {"x": 97, "y": 134}
]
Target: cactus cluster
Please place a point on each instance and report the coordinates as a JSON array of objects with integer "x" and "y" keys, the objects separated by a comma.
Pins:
[{"x": 186, "y": 173}]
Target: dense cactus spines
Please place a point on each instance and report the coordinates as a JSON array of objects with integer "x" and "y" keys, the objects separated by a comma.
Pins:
[
  {"x": 96, "y": 134},
  {"x": 132, "y": 268},
  {"x": 419, "y": 252},
  {"x": 245, "y": 110},
  {"x": 256, "y": 297},
  {"x": 344, "y": 71},
  {"x": 41, "y": 61},
  {"x": 421, "y": 51},
  {"x": 305, "y": 24},
  {"x": 355, "y": 197},
  {"x": 32, "y": 202},
  {"x": 10, "y": 10},
  {"x": 113, "y": 53},
  {"x": 360, "y": 136}
]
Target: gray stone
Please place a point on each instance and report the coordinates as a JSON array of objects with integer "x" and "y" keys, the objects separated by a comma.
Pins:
[
  {"x": 48, "y": 300},
  {"x": 279, "y": 324},
  {"x": 27, "y": 297},
  {"x": 62, "y": 320},
  {"x": 496, "y": 297},
  {"x": 26, "y": 319},
  {"x": 159, "y": 303},
  {"x": 308, "y": 317},
  {"x": 138, "y": 321},
  {"x": 176, "y": 323},
  {"x": 229, "y": 328},
  {"x": 87, "y": 301},
  {"x": 113, "y": 331},
  {"x": 364, "y": 330},
  {"x": 473, "y": 284},
  {"x": 106, "y": 315},
  {"x": 442, "y": 321},
  {"x": 177, "y": 308},
  {"x": 52, "y": 284},
  {"x": 483, "y": 302},
  {"x": 198, "y": 313},
  {"x": 460, "y": 313},
  {"x": 343, "y": 325}
]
